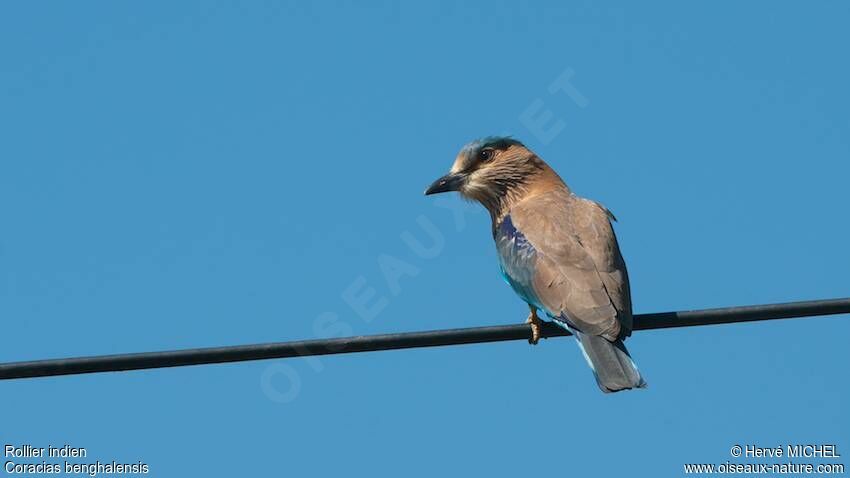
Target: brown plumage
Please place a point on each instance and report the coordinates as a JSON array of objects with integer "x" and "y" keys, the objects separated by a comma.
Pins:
[
  {"x": 557, "y": 250},
  {"x": 579, "y": 270}
]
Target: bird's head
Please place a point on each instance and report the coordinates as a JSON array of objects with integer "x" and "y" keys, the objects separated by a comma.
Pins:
[{"x": 490, "y": 170}]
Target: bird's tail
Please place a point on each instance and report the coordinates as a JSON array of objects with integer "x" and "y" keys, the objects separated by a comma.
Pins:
[{"x": 610, "y": 361}]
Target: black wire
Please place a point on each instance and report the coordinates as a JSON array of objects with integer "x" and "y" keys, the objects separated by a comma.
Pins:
[{"x": 239, "y": 353}]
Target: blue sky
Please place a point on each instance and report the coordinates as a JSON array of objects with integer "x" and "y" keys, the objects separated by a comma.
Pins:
[{"x": 185, "y": 174}]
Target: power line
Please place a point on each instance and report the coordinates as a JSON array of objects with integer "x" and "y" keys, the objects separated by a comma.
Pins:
[{"x": 303, "y": 348}]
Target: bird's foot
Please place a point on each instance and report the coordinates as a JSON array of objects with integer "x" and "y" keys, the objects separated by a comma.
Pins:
[{"x": 536, "y": 326}]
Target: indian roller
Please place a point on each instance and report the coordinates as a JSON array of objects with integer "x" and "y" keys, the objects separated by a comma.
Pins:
[{"x": 557, "y": 251}]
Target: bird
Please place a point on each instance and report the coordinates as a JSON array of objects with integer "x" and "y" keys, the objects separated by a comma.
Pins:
[{"x": 556, "y": 250}]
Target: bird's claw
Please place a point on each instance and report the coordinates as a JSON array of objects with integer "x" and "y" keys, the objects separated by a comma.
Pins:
[
  {"x": 535, "y": 334},
  {"x": 535, "y": 327}
]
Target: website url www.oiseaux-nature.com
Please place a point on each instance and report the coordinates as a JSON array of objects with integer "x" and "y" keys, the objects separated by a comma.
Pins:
[{"x": 764, "y": 468}]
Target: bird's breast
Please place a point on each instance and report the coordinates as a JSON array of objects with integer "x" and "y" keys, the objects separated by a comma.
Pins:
[{"x": 517, "y": 258}]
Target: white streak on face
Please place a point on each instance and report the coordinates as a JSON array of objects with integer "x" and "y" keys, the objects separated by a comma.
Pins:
[
  {"x": 458, "y": 165},
  {"x": 475, "y": 187}
]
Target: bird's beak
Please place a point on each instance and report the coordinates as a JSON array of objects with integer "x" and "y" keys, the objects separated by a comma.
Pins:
[{"x": 449, "y": 182}]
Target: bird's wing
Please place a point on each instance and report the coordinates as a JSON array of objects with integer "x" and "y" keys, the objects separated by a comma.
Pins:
[{"x": 579, "y": 272}]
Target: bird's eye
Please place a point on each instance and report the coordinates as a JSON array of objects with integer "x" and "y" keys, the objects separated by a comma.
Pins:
[{"x": 486, "y": 154}]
